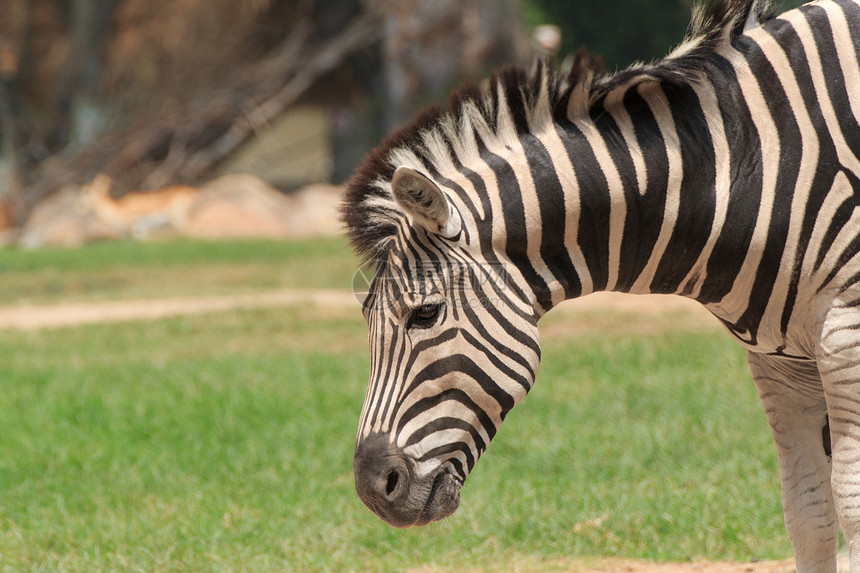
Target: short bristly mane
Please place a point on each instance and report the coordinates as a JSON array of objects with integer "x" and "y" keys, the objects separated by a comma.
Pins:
[{"x": 438, "y": 136}]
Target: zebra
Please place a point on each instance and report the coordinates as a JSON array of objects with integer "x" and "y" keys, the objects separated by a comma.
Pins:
[{"x": 727, "y": 172}]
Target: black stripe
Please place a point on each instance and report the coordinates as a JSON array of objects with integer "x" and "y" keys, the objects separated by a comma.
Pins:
[
  {"x": 745, "y": 194},
  {"x": 826, "y": 168},
  {"x": 553, "y": 215},
  {"x": 593, "y": 233},
  {"x": 425, "y": 345},
  {"x": 458, "y": 468},
  {"x": 484, "y": 225},
  {"x": 503, "y": 368},
  {"x": 837, "y": 223},
  {"x": 502, "y": 321},
  {"x": 698, "y": 200},
  {"x": 447, "y": 423},
  {"x": 644, "y": 212},
  {"x": 853, "y": 246},
  {"x": 505, "y": 287},
  {"x": 516, "y": 231},
  {"x": 833, "y": 77},
  {"x": 462, "y": 365},
  {"x": 392, "y": 364},
  {"x": 452, "y": 394},
  {"x": 788, "y": 171},
  {"x": 453, "y": 447}
]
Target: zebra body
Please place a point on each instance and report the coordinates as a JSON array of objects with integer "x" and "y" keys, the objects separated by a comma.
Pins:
[{"x": 727, "y": 172}]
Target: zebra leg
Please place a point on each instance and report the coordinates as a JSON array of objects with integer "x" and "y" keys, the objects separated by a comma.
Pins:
[
  {"x": 796, "y": 410},
  {"x": 839, "y": 365}
]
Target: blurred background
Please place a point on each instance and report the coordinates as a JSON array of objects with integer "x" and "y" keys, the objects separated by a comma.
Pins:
[
  {"x": 187, "y": 404},
  {"x": 152, "y": 94}
]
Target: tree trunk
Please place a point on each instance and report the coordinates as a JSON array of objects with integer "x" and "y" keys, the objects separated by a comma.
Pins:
[
  {"x": 80, "y": 115},
  {"x": 188, "y": 144},
  {"x": 13, "y": 33}
]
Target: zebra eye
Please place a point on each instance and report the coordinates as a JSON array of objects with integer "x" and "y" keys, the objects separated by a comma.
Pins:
[{"x": 424, "y": 316}]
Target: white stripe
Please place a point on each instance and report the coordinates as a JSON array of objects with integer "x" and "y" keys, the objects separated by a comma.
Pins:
[
  {"x": 736, "y": 301},
  {"x": 570, "y": 186},
  {"x": 848, "y": 61},
  {"x": 615, "y": 106},
  {"x": 516, "y": 158},
  {"x": 659, "y": 104},
  {"x": 617, "y": 202},
  {"x": 810, "y": 149},
  {"x": 847, "y": 56},
  {"x": 444, "y": 409},
  {"x": 845, "y": 237},
  {"x": 465, "y": 383},
  {"x": 838, "y": 194}
]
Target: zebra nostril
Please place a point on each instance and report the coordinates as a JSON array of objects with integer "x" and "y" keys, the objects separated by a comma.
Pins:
[
  {"x": 391, "y": 482},
  {"x": 383, "y": 479}
]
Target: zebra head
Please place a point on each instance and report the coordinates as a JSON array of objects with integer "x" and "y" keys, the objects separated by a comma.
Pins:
[
  {"x": 530, "y": 190},
  {"x": 454, "y": 346}
]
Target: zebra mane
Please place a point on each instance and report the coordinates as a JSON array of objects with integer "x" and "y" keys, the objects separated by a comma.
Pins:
[{"x": 438, "y": 138}]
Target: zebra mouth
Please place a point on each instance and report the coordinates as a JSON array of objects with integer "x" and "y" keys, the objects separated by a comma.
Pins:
[
  {"x": 386, "y": 480},
  {"x": 443, "y": 499}
]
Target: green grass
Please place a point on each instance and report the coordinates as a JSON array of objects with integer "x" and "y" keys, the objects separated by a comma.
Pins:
[
  {"x": 117, "y": 270},
  {"x": 223, "y": 442}
]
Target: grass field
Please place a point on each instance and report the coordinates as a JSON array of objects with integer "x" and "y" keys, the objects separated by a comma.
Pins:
[
  {"x": 223, "y": 442},
  {"x": 116, "y": 270}
]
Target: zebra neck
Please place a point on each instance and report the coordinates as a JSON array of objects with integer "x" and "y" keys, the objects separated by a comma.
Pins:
[{"x": 626, "y": 197}]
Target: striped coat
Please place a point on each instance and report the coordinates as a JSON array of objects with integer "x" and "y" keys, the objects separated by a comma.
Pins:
[{"x": 727, "y": 172}]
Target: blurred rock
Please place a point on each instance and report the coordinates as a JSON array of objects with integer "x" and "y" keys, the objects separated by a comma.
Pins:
[
  {"x": 316, "y": 211},
  {"x": 7, "y": 222},
  {"x": 242, "y": 205},
  {"x": 235, "y": 206},
  {"x": 79, "y": 215},
  {"x": 66, "y": 218},
  {"x": 232, "y": 206},
  {"x": 143, "y": 214}
]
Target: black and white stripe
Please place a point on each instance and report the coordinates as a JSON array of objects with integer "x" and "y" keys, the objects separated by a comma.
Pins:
[{"x": 728, "y": 172}]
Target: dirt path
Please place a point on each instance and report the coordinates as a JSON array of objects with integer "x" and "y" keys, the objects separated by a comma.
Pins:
[
  {"x": 35, "y": 317},
  {"x": 625, "y": 566},
  {"x": 634, "y": 566}
]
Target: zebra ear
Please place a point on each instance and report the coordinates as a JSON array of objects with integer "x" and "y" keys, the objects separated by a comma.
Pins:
[{"x": 421, "y": 198}]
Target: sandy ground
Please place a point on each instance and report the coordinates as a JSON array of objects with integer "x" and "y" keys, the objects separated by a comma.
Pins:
[
  {"x": 631, "y": 566},
  {"x": 657, "y": 311},
  {"x": 785, "y": 566},
  {"x": 35, "y": 317}
]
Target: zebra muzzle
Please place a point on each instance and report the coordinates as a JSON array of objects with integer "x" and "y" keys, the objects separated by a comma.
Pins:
[{"x": 388, "y": 483}]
